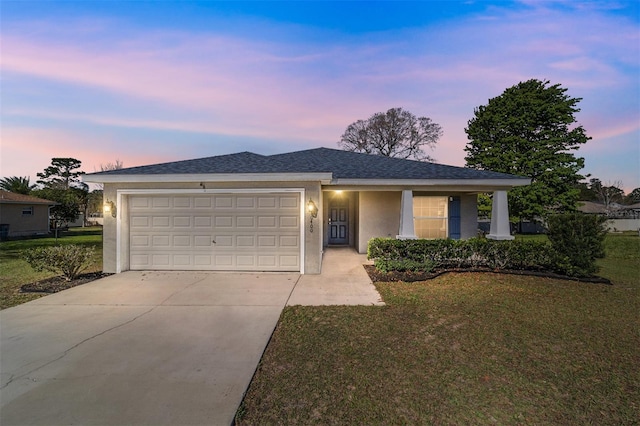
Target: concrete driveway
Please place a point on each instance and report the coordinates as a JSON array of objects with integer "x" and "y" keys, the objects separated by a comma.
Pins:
[{"x": 138, "y": 348}]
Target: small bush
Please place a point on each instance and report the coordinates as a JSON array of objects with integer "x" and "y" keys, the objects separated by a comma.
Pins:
[
  {"x": 578, "y": 240},
  {"x": 68, "y": 260}
]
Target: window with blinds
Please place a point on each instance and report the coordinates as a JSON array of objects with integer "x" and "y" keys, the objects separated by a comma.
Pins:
[{"x": 430, "y": 217}]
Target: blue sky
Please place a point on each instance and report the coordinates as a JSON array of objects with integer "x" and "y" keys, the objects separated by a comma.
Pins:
[{"x": 148, "y": 82}]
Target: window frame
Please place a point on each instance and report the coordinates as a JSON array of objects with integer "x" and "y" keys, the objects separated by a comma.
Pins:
[{"x": 443, "y": 234}]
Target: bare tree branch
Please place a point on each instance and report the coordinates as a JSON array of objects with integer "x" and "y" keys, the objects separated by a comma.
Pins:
[{"x": 395, "y": 133}]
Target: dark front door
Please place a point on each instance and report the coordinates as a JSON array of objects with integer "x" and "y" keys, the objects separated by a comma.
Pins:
[{"x": 338, "y": 224}]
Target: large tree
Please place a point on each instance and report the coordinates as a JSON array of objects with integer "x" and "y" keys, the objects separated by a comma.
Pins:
[
  {"x": 63, "y": 173},
  {"x": 530, "y": 130},
  {"x": 395, "y": 133},
  {"x": 61, "y": 183},
  {"x": 17, "y": 184}
]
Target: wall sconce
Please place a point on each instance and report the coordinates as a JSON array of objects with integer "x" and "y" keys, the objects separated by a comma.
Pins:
[
  {"x": 313, "y": 211},
  {"x": 109, "y": 207}
]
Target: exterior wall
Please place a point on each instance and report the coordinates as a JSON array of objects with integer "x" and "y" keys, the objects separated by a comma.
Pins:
[
  {"x": 623, "y": 225},
  {"x": 20, "y": 225},
  {"x": 378, "y": 216},
  {"x": 468, "y": 216},
  {"x": 312, "y": 255}
]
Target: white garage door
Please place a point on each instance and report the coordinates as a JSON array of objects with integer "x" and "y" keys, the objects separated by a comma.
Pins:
[{"x": 235, "y": 232}]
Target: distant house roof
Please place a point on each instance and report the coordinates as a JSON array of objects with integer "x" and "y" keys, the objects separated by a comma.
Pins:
[
  {"x": 635, "y": 206},
  {"x": 591, "y": 207},
  {"x": 7, "y": 197},
  {"x": 338, "y": 164}
]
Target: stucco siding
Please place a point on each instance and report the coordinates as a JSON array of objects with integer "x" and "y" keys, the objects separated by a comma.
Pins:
[
  {"x": 468, "y": 216},
  {"x": 378, "y": 216}
]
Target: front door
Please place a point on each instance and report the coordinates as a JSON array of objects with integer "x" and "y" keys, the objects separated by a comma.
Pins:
[{"x": 339, "y": 222}]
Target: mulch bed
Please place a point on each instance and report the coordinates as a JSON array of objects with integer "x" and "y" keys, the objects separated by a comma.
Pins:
[
  {"x": 408, "y": 276},
  {"x": 56, "y": 284}
]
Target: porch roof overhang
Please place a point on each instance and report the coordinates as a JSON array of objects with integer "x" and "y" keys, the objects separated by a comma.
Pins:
[{"x": 430, "y": 185}]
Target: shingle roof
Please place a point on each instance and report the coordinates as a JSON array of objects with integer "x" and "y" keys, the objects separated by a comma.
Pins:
[
  {"x": 342, "y": 164},
  {"x": 12, "y": 197}
]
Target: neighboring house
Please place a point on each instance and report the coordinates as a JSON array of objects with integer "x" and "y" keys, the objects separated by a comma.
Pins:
[
  {"x": 250, "y": 212},
  {"x": 615, "y": 210},
  {"x": 23, "y": 215}
]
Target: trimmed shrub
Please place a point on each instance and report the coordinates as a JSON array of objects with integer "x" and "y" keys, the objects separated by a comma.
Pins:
[
  {"x": 68, "y": 260},
  {"x": 455, "y": 254},
  {"x": 577, "y": 240}
]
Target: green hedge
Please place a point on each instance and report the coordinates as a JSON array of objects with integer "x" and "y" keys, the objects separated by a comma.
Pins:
[{"x": 473, "y": 253}]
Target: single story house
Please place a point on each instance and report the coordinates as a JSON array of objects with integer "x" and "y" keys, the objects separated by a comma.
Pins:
[
  {"x": 23, "y": 215},
  {"x": 251, "y": 212}
]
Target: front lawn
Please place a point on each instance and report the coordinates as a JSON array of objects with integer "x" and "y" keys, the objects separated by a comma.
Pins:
[
  {"x": 468, "y": 348},
  {"x": 15, "y": 272}
]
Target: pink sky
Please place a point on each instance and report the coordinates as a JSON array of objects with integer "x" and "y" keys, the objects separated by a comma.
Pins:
[{"x": 101, "y": 88}]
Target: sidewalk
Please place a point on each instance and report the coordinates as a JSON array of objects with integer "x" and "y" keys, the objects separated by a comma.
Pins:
[{"x": 343, "y": 281}]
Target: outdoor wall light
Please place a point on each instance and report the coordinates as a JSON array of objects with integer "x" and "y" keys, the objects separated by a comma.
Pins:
[
  {"x": 313, "y": 211},
  {"x": 109, "y": 207}
]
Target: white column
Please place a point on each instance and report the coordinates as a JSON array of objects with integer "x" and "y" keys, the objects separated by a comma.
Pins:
[
  {"x": 407, "y": 231},
  {"x": 500, "y": 228}
]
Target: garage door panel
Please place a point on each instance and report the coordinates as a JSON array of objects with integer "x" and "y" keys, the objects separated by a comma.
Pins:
[
  {"x": 140, "y": 241},
  {"x": 182, "y": 221},
  {"x": 160, "y": 241},
  {"x": 267, "y": 222},
  {"x": 223, "y": 201},
  {"x": 246, "y": 221},
  {"x": 245, "y": 202},
  {"x": 289, "y": 222},
  {"x": 182, "y": 202},
  {"x": 160, "y": 222},
  {"x": 223, "y": 221},
  {"x": 202, "y": 221},
  {"x": 245, "y": 241},
  {"x": 267, "y": 202},
  {"x": 160, "y": 202},
  {"x": 202, "y": 241},
  {"x": 140, "y": 221},
  {"x": 291, "y": 241},
  {"x": 202, "y": 202},
  {"x": 183, "y": 240},
  {"x": 290, "y": 261},
  {"x": 215, "y": 232}
]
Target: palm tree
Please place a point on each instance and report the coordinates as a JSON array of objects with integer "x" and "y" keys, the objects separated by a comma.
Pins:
[{"x": 16, "y": 184}]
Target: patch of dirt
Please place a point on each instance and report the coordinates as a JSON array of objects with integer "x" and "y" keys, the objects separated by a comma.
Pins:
[
  {"x": 56, "y": 284},
  {"x": 408, "y": 276}
]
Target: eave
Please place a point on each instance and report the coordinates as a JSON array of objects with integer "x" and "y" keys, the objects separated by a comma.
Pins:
[
  {"x": 458, "y": 185},
  {"x": 323, "y": 178}
]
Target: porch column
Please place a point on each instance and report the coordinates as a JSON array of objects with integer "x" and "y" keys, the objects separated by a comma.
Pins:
[
  {"x": 407, "y": 231},
  {"x": 500, "y": 229}
]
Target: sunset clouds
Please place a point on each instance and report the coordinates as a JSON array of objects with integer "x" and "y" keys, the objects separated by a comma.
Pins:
[{"x": 109, "y": 84}]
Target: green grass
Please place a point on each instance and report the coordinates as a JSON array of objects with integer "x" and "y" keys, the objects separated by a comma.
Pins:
[
  {"x": 15, "y": 272},
  {"x": 462, "y": 349}
]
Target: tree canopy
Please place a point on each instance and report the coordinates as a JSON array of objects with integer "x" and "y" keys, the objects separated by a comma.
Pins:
[
  {"x": 530, "y": 130},
  {"x": 61, "y": 174},
  {"x": 61, "y": 183},
  {"x": 395, "y": 133},
  {"x": 17, "y": 184}
]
